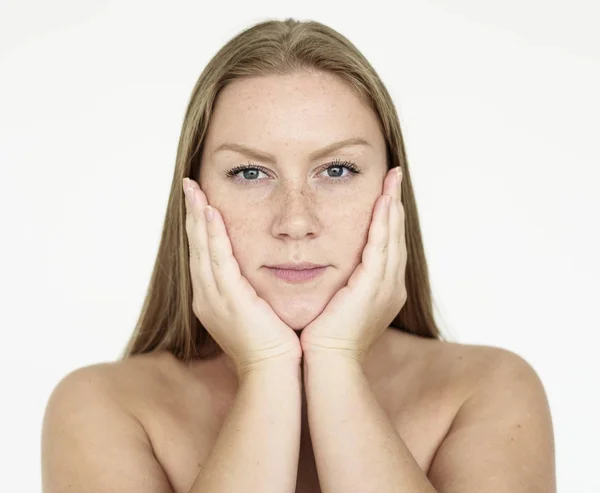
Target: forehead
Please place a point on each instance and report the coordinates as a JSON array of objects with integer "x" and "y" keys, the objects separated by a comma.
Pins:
[{"x": 304, "y": 108}]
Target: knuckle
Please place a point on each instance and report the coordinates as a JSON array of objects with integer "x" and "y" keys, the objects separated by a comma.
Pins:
[
  {"x": 211, "y": 232},
  {"x": 214, "y": 259},
  {"x": 195, "y": 252}
]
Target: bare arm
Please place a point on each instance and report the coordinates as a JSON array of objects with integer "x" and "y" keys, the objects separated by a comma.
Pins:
[
  {"x": 356, "y": 446},
  {"x": 258, "y": 446},
  {"x": 90, "y": 443},
  {"x": 501, "y": 440}
]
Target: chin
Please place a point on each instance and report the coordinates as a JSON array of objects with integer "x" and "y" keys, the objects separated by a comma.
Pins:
[
  {"x": 297, "y": 320},
  {"x": 297, "y": 306},
  {"x": 298, "y": 313}
]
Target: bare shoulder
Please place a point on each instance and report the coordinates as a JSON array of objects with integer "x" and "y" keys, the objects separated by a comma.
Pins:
[
  {"x": 462, "y": 376},
  {"x": 501, "y": 437},
  {"x": 436, "y": 364},
  {"x": 91, "y": 441},
  {"x": 484, "y": 367},
  {"x": 471, "y": 367}
]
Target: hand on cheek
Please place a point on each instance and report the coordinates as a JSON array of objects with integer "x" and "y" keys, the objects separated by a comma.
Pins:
[{"x": 361, "y": 311}]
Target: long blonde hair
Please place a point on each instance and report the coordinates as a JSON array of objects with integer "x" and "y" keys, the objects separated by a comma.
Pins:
[{"x": 167, "y": 321}]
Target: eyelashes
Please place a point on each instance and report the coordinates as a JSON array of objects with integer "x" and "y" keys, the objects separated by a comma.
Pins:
[{"x": 349, "y": 165}]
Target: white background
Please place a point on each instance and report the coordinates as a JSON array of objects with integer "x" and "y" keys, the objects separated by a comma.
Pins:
[{"x": 499, "y": 105}]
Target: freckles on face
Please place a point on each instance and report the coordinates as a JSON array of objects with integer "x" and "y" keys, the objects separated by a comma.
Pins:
[
  {"x": 330, "y": 231},
  {"x": 294, "y": 209},
  {"x": 357, "y": 229}
]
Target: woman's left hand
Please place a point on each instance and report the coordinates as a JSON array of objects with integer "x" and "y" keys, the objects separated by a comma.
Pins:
[{"x": 376, "y": 292}]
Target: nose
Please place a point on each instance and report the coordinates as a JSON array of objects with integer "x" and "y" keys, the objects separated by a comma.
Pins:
[{"x": 295, "y": 213}]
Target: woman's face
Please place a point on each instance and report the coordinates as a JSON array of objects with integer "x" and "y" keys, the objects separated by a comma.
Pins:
[{"x": 292, "y": 208}]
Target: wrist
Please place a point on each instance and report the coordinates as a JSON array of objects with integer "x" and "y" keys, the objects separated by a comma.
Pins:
[
  {"x": 282, "y": 367},
  {"x": 332, "y": 356}
]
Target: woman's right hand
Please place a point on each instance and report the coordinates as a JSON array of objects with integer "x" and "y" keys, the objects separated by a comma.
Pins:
[{"x": 243, "y": 324}]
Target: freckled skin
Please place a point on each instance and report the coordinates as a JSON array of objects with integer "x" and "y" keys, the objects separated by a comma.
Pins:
[{"x": 297, "y": 211}]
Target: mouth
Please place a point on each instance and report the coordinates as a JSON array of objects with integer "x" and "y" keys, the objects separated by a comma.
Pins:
[
  {"x": 296, "y": 266},
  {"x": 297, "y": 275}
]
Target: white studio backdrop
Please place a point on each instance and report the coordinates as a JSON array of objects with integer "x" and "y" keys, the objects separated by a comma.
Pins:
[{"x": 498, "y": 103}]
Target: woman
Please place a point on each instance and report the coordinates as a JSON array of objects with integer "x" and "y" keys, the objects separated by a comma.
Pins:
[{"x": 247, "y": 370}]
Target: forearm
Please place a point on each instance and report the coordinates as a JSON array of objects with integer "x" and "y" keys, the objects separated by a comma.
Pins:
[
  {"x": 356, "y": 447},
  {"x": 258, "y": 445}
]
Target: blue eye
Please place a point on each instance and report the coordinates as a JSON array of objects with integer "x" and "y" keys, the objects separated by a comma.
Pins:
[{"x": 337, "y": 164}]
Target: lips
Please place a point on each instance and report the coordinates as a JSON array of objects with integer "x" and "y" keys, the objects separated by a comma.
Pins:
[
  {"x": 297, "y": 275},
  {"x": 296, "y": 266}
]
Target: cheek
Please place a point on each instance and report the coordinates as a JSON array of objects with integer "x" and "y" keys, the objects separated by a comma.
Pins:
[
  {"x": 349, "y": 233},
  {"x": 243, "y": 231},
  {"x": 344, "y": 233}
]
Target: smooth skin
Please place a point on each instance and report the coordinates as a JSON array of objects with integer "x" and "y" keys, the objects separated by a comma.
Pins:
[
  {"x": 242, "y": 323},
  {"x": 501, "y": 436},
  {"x": 298, "y": 200},
  {"x": 247, "y": 328},
  {"x": 361, "y": 311}
]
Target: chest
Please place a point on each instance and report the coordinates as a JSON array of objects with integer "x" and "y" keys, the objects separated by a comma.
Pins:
[{"x": 420, "y": 409}]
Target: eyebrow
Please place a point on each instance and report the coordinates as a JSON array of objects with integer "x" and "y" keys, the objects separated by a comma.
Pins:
[{"x": 269, "y": 158}]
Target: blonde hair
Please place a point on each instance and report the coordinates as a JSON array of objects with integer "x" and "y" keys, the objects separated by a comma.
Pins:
[{"x": 167, "y": 321}]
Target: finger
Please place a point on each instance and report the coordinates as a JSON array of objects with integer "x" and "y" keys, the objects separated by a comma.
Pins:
[
  {"x": 201, "y": 272},
  {"x": 224, "y": 266},
  {"x": 402, "y": 215},
  {"x": 396, "y": 228},
  {"x": 399, "y": 170},
  {"x": 375, "y": 252}
]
